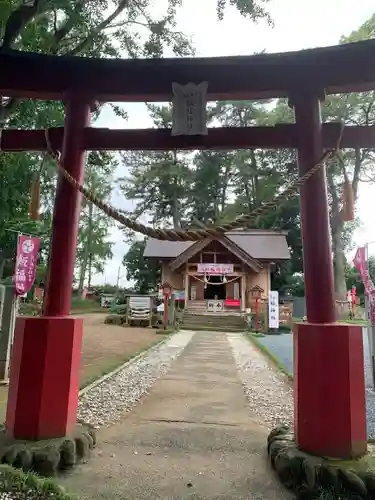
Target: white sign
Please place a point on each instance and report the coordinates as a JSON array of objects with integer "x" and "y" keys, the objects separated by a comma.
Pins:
[
  {"x": 189, "y": 114},
  {"x": 273, "y": 309},
  {"x": 215, "y": 268},
  {"x": 140, "y": 302},
  {"x": 215, "y": 305}
]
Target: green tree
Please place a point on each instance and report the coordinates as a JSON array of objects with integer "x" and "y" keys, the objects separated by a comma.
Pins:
[
  {"x": 258, "y": 175},
  {"x": 212, "y": 181},
  {"x": 144, "y": 272},
  {"x": 93, "y": 247},
  {"x": 355, "y": 166},
  {"x": 158, "y": 181},
  {"x": 98, "y": 28},
  {"x": 69, "y": 27}
]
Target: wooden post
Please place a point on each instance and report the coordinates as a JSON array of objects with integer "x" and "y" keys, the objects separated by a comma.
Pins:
[
  {"x": 172, "y": 312},
  {"x": 165, "y": 310},
  {"x": 243, "y": 292},
  {"x": 186, "y": 287}
]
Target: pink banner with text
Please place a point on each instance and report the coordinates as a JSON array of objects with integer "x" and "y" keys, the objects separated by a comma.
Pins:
[{"x": 27, "y": 258}]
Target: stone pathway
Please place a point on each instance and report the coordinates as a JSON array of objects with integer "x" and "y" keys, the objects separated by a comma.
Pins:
[{"x": 192, "y": 437}]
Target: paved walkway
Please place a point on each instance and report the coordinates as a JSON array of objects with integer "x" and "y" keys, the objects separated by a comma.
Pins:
[{"x": 193, "y": 437}]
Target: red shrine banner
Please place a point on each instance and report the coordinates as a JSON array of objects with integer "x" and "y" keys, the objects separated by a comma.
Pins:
[
  {"x": 360, "y": 263},
  {"x": 27, "y": 257}
]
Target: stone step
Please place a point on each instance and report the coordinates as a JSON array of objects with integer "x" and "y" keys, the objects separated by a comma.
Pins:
[
  {"x": 213, "y": 321},
  {"x": 213, "y": 328}
]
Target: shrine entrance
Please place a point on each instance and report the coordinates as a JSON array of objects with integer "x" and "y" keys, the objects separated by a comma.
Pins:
[
  {"x": 325, "y": 406},
  {"x": 215, "y": 289}
]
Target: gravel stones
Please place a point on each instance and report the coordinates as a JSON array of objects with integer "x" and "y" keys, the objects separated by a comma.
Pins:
[
  {"x": 270, "y": 396},
  {"x": 105, "y": 403}
]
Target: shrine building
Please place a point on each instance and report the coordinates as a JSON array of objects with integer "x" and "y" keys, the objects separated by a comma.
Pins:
[{"x": 223, "y": 273}]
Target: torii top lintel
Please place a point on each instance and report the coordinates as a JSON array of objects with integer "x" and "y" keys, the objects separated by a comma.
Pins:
[{"x": 337, "y": 69}]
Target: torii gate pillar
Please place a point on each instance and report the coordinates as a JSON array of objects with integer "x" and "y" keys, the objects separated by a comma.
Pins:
[
  {"x": 329, "y": 387},
  {"x": 44, "y": 379}
]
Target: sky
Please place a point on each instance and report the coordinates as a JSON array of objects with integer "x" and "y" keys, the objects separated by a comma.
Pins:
[{"x": 297, "y": 25}]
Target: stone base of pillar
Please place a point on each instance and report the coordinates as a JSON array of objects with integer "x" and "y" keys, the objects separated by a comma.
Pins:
[
  {"x": 329, "y": 390},
  {"x": 44, "y": 377}
]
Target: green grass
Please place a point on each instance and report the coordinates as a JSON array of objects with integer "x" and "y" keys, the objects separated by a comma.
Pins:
[
  {"x": 112, "y": 365},
  {"x": 274, "y": 359},
  {"x": 354, "y": 321},
  {"x": 351, "y": 321},
  {"x": 87, "y": 311},
  {"x": 29, "y": 486},
  {"x": 81, "y": 306}
]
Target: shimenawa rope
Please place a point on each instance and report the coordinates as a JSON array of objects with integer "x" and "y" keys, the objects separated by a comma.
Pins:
[{"x": 192, "y": 234}]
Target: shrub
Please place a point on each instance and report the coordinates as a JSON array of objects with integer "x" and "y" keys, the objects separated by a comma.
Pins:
[
  {"x": 33, "y": 308},
  {"x": 119, "y": 309},
  {"x": 21, "y": 485},
  {"x": 113, "y": 319},
  {"x": 78, "y": 304}
]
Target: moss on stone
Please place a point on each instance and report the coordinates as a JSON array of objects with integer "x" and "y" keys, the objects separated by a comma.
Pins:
[
  {"x": 26, "y": 485},
  {"x": 48, "y": 457},
  {"x": 312, "y": 477}
]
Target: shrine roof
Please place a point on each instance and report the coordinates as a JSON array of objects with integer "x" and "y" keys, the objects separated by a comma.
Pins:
[
  {"x": 342, "y": 68},
  {"x": 258, "y": 244}
]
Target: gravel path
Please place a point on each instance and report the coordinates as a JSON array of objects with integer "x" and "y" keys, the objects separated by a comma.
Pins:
[
  {"x": 104, "y": 404},
  {"x": 270, "y": 396}
]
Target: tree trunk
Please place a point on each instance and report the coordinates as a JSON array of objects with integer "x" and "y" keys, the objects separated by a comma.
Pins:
[
  {"x": 2, "y": 263},
  {"x": 87, "y": 252},
  {"x": 90, "y": 272},
  {"x": 339, "y": 262},
  {"x": 338, "y": 250},
  {"x": 89, "y": 243},
  {"x": 176, "y": 214},
  {"x": 82, "y": 275}
]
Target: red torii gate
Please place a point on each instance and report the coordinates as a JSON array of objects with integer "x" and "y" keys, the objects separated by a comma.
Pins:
[{"x": 330, "y": 416}]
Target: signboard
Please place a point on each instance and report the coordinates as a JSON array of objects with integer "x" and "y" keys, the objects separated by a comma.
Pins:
[
  {"x": 179, "y": 294},
  {"x": 189, "y": 114},
  {"x": 273, "y": 309},
  {"x": 140, "y": 302},
  {"x": 215, "y": 305},
  {"x": 107, "y": 300},
  {"x": 215, "y": 268},
  {"x": 27, "y": 258}
]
